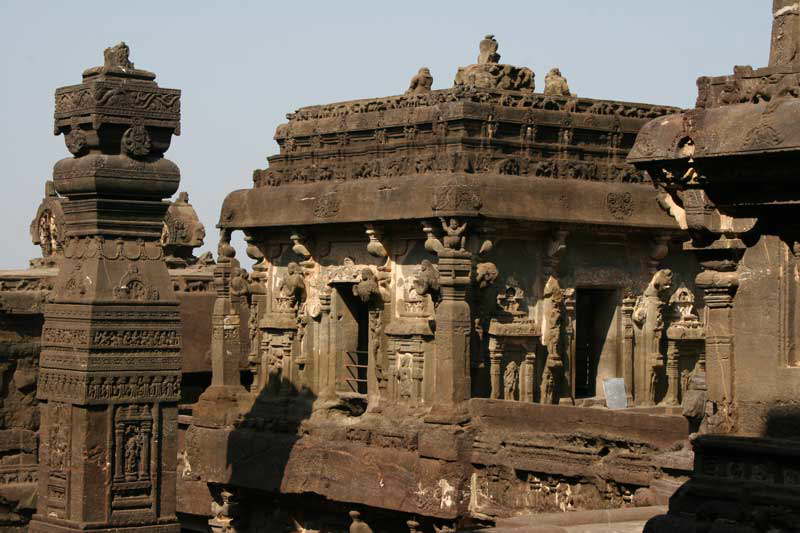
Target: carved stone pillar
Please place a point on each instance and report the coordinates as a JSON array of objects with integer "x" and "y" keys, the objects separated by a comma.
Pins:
[
  {"x": 648, "y": 315},
  {"x": 527, "y": 372},
  {"x": 628, "y": 303},
  {"x": 109, "y": 377},
  {"x": 673, "y": 377},
  {"x": 552, "y": 339},
  {"x": 495, "y": 362},
  {"x": 225, "y": 399},
  {"x": 719, "y": 281},
  {"x": 258, "y": 304},
  {"x": 452, "y": 363},
  {"x": 393, "y": 372}
]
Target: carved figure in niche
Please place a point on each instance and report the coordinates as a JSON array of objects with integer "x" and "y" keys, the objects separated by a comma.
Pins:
[
  {"x": 293, "y": 283},
  {"x": 46, "y": 228},
  {"x": 48, "y": 233},
  {"x": 427, "y": 279},
  {"x": 455, "y": 234},
  {"x": 421, "y": 82},
  {"x": 367, "y": 289},
  {"x": 511, "y": 298},
  {"x": 510, "y": 381},
  {"x": 133, "y": 450},
  {"x": 405, "y": 375},
  {"x": 555, "y": 84},
  {"x": 59, "y": 439},
  {"x": 683, "y": 301},
  {"x": 488, "y": 50},
  {"x": 648, "y": 314}
]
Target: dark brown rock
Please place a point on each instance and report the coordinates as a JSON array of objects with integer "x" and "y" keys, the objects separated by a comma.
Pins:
[{"x": 109, "y": 374}]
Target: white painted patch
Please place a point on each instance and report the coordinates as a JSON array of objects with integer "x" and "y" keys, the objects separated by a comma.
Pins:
[
  {"x": 448, "y": 494},
  {"x": 787, "y": 10}
]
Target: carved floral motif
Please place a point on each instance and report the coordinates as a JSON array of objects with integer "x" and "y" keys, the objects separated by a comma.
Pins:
[
  {"x": 620, "y": 204},
  {"x": 455, "y": 198}
]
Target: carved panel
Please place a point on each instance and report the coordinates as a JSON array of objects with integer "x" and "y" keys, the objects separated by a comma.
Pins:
[
  {"x": 456, "y": 198},
  {"x": 620, "y": 204},
  {"x": 131, "y": 486},
  {"x": 59, "y": 449}
]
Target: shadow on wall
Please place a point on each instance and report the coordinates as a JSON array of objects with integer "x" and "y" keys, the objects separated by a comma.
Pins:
[
  {"x": 741, "y": 484},
  {"x": 19, "y": 417},
  {"x": 271, "y": 453}
]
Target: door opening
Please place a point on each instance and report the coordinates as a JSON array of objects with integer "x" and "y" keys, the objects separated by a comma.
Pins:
[
  {"x": 594, "y": 315},
  {"x": 354, "y": 327}
]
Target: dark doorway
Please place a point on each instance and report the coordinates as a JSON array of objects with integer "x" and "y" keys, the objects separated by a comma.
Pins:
[
  {"x": 354, "y": 328},
  {"x": 594, "y": 314}
]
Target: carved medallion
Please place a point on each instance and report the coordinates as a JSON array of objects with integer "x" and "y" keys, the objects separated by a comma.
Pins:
[
  {"x": 455, "y": 198},
  {"x": 132, "y": 286},
  {"x": 136, "y": 141},
  {"x": 75, "y": 141},
  {"x": 762, "y": 136},
  {"x": 327, "y": 205},
  {"x": 620, "y": 204}
]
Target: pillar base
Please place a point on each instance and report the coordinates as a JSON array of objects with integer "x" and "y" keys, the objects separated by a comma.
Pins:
[{"x": 221, "y": 405}]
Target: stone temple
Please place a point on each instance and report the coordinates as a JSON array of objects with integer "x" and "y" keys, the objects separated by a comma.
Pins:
[{"x": 480, "y": 308}]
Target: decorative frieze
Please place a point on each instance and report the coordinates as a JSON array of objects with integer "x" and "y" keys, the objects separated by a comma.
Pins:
[{"x": 101, "y": 388}]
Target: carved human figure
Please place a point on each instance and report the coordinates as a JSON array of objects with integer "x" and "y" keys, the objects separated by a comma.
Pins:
[
  {"x": 240, "y": 283},
  {"x": 488, "y": 50},
  {"x": 421, "y": 82},
  {"x": 48, "y": 234},
  {"x": 648, "y": 315},
  {"x": 455, "y": 234},
  {"x": 293, "y": 283},
  {"x": 555, "y": 84},
  {"x": 404, "y": 375},
  {"x": 695, "y": 394},
  {"x": 133, "y": 446},
  {"x": 510, "y": 380}
]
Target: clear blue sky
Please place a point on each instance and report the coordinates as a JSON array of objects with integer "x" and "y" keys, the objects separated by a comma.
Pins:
[{"x": 243, "y": 65}]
